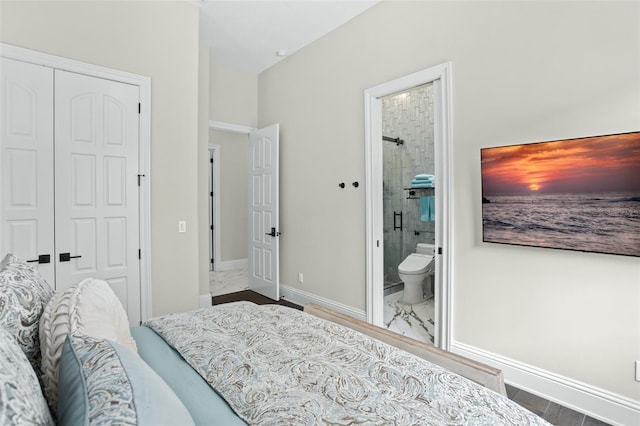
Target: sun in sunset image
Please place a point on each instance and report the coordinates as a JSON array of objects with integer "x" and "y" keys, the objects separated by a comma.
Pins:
[{"x": 534, "y": 186}]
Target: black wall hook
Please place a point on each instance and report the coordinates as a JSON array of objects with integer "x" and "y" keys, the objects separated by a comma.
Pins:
[
  {"x": 355, "y": 184},
  {"x": 341, "y": 185}
]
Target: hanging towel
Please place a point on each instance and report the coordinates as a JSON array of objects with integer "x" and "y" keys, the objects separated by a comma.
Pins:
[{"x": 428, "y": 209}]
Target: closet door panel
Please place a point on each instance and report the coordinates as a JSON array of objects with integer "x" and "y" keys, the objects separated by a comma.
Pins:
[
  {"x": 26, "y": 158},
  {"x": 96, "y": 184}
]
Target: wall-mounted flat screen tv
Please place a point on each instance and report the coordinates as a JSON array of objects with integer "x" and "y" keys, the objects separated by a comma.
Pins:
[{"x": 575, "y": 194}]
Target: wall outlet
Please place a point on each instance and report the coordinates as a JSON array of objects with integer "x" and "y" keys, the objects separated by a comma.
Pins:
[
  {"x": 638, "y": 371},
  {"x": 300, "y": 277},
  {"x": 182, "y": 226}
]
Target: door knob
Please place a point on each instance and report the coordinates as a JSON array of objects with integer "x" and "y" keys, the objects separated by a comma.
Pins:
[
  {"x": 273, "y": 233},
  {"x": 65, "y": 257},
  {"x": 43, "y": 258}
]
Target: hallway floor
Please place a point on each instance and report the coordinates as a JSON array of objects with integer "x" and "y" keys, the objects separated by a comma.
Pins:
[{"x": 225, "y": 282}]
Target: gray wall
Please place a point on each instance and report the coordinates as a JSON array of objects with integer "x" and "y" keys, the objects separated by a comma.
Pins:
[
  {"x": 233, "y": 99},
  {"x": 155, "y": 39},
  {"x": 522, "y": 72},
  {"x": 203, "y": 169},
  {"x": 233, "y": 197}
]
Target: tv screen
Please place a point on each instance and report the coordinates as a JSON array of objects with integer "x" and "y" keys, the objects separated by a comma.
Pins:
[{"x": 576, "y": 194}]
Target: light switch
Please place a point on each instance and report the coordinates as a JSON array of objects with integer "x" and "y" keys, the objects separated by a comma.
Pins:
[{"x": 182, "y": 226}]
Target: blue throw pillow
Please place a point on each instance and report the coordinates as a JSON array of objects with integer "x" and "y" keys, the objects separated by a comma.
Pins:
[{"x": 102, "y": 382}]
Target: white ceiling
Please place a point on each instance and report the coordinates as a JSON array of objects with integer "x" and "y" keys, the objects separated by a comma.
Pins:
[{"x": 247, "y": 34}]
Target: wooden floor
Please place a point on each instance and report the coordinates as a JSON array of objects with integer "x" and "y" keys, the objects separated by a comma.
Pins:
[
  {"x": 550, "y": 411},
  {"x": 250, "y": 296}
]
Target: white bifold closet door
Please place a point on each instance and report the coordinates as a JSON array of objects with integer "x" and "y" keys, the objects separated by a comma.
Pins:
[
  {"x": 70, "y": 165},
  {"x": 26, "y": 203},
  {"x": 96, "y": 163}
]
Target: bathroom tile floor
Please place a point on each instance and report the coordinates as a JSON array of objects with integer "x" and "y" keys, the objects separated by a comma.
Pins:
[{"x": 414, "y": 321}]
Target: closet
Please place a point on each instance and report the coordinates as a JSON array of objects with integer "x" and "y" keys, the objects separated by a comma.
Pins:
[{"x": 69, "y": 194}]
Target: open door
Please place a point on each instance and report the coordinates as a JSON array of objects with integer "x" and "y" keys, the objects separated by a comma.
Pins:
[{"x": 263, "y": 212}]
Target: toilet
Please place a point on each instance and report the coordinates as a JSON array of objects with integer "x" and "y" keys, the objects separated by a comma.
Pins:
[{"x": 414, "y": 270}]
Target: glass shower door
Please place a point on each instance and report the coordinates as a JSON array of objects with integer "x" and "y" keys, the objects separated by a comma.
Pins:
[{"x": 392, "y": 213}]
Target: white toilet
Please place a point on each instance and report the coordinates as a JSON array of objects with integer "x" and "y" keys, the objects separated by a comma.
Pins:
[{"x": 413, "y": 271}]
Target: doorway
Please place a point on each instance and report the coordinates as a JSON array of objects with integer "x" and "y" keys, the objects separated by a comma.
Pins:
[
  {"x": 249, "y": 197},
  {"x": 438, "y": 231}
]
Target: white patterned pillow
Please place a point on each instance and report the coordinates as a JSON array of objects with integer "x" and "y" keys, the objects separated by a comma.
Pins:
[
  {"x": 21, "y": 400},
  {"x": 23, "y": 297},
  {"x": 89, "y": 307}
]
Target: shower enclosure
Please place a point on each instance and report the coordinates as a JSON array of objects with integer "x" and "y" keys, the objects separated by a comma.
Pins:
[{"x": 408, "y": 150}]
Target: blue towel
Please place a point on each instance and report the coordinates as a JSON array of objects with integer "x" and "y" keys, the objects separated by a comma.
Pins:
[
  {"x": 428, "y": 209},
  {"x": 421, "y": 184},
  {"x": 424, "y": 177}
]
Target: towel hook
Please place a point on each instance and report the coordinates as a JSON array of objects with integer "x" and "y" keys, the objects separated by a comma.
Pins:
[
  {"x": 341, "y": 185},
  {"x": 355, "y": 184}
]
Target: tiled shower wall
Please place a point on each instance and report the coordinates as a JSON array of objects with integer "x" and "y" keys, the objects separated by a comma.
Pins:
[{"x": 408, "y": 116}]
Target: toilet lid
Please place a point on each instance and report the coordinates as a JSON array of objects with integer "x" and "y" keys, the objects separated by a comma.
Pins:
[{"x": 415, "y": 264}]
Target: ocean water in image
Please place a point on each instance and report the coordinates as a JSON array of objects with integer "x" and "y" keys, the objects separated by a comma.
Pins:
[{"x": 594, "y": 222}]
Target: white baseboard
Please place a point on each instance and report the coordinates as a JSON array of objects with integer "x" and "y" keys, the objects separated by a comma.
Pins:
[
  {"x": 228, "y": 265},
  {"x": 204, "y": 300},
  {"x": 301, "y": 298},
  {"x": 595, "y": 402}
]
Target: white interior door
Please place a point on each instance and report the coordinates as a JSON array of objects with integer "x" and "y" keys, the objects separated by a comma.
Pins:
[
  {"x": 263, "y": 212},
  {"x": 96, "y": 204},
  {"x": 26, "y": 214}
]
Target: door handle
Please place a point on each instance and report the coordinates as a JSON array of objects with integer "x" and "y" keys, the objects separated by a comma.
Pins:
[
  {"x": 395, "y": 224},
  {"x": 43, "y": 258},
  {"x": 65, "y": 257},
  {"x": 273, "y": 233}
]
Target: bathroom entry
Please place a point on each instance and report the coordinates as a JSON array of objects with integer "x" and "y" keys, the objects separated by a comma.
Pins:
[
  {"x": 409, "y": 187},
  {"x": 408, "y": 205}
]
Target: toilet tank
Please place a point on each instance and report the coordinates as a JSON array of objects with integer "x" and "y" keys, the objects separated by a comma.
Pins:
[{"x": 423, "y": 248}]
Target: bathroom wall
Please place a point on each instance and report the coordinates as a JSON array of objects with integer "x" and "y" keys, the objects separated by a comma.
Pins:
[{"x": 409, "y": 116}]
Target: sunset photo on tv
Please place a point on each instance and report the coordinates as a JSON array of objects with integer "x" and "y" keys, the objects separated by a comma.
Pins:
[{"x": 575, "y": 194}]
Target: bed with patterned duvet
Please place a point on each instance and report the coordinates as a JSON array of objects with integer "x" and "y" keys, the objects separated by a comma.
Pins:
[{"x": 70, "y": 358}]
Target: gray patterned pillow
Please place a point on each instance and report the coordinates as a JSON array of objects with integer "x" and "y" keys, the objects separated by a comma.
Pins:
[
  {"x": 89, "y": 307},
  {"x": 21, "y": 400},
  {"x": 104, "y": 383},
  {"x": 23, "y": 297}
]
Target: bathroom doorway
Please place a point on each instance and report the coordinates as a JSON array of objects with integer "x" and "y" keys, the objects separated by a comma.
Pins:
[
  {"x": 408, "y": 204},
  {"x": 407, "y": 142}
]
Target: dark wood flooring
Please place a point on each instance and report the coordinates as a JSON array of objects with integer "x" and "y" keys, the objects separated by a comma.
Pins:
[
  {"x": 550, "y": 411},
  {"x": 251, "y": 296}
]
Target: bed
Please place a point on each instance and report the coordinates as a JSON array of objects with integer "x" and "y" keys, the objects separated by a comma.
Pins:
[{"x": 231, "y": 364}]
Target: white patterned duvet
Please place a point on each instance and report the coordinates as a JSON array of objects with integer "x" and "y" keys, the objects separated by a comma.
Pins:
[{"x": 279, "y": 366}]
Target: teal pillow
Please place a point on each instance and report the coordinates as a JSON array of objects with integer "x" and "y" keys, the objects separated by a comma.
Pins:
[{"x": 102, "y": 382}]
